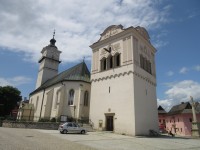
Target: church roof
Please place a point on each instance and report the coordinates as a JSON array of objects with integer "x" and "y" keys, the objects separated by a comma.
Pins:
[{"x": 79, "y": 72}]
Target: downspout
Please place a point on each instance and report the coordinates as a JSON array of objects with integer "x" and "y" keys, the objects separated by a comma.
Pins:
[{"x": 42, "y": 104}]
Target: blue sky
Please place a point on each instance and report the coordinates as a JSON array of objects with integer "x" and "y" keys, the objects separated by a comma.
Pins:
[{"x": 174, "y": 27}]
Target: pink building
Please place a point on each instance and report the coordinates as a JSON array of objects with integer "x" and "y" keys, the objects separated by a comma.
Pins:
[
  {"x": 161, "y": 119},
  {"x": 179, "y": 119}
]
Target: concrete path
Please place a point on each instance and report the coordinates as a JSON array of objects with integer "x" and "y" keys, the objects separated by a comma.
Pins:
[
  {"x": 111, "y": 141},
  {"x": 32, "y": 139}
]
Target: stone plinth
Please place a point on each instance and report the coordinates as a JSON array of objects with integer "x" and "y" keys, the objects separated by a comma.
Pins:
[{"x": 196, "y": 129}]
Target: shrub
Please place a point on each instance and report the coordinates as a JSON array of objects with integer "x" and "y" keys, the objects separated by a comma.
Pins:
[
  {"x": 53, "y": 120},
  {"x": 43, "y": 120}
]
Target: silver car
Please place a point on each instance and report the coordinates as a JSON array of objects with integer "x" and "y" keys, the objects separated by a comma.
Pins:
[{"x": 71, "y": 127}]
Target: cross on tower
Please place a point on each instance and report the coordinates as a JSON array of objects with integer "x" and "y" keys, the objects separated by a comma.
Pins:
[{"x": 54, "y": 33}]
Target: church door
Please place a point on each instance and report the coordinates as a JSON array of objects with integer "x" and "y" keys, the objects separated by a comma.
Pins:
[{"x": 109, "y": 123}]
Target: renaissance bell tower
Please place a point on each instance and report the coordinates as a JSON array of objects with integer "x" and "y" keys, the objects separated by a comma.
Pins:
[{"x": 49, "y": 62}]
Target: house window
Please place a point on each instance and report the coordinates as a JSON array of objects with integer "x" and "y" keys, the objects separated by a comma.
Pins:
[
  {"x": 190, "y": 119},
  {"x": 178, "y": 119},
  {"x": 71, "y": 97},
  {"x": 181, "y": 129},
  {"x": 160, "y": 120},
  {"x": 86, "y": 95}
]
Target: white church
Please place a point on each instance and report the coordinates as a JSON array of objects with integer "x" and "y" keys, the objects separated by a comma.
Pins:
[{"x": 118, "y": 95}]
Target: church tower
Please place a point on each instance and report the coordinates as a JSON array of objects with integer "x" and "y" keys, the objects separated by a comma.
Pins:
[
  {"x": 48, "y": 62},
  {"x": 123, "y": 82}
]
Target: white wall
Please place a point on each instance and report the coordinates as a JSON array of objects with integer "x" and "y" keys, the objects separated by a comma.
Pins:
[
  {"x": 61, "y": 101},
  {"x": 132, "y": 96}
]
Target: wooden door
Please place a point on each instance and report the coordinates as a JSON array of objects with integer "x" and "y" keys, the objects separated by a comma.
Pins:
[{"x": 109, "y": 123}]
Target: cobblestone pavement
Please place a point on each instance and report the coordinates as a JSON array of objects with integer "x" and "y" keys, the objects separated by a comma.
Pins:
[{"x": 32, "y": 139}]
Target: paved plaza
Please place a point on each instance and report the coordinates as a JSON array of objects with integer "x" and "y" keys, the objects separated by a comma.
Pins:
[{"x": 29, "y": 139}]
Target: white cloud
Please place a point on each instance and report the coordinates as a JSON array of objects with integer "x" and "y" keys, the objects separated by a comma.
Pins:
[
  {"x": 183, "y": 70},
  {"x": 27, "y": 26},
  {"x": 180, "y": 92},
  {"x": 170, "y": 73},
  {"x": 197, "y": 68},
  {"x": 15, "y": 81}
]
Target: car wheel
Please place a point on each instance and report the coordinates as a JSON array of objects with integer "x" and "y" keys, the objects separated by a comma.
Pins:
[
  {"x": 61, "y": 132},
  {"x": 83, "y": 132},
  {"x": 65, "y": 131}
]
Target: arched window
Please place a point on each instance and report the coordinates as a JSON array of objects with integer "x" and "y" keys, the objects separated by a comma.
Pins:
[
  {"x": 86, "y": 98},
  {"x": 103, "y": 64},
  {"x": 117, "y": 60},
  {"x": 145, "y": 64},
  {"x": 141, "y": 61},
  {"x": 150, "y": 67},
  {"x": 57, "y": 99},
  {"x": 71, "y": 97},
  {"x": 110, "y": 62}
]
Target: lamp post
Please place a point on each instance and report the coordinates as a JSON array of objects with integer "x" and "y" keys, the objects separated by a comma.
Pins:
[{"x": 195, "y": 124}]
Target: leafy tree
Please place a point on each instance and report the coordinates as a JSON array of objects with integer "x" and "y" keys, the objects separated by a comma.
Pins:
[{"x": 9, "y": 96}]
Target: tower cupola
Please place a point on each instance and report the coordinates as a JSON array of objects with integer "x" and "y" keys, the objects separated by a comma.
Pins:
[{"x": 53, "y": 41}]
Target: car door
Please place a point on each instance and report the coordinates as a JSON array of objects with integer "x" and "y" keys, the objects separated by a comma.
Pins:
[
  {"x": 70, "y": 127},
  {"x": 76, "y": 128}
]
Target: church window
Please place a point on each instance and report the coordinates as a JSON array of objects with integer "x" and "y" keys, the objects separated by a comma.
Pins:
[
  {"x": 103, "y": 64},
  {"x": 71, "y": 97},
  {"x": 86, "y": 96},
  {"x": 110, "y": 62},
  {"x": 57, "y": 99},
  {"x": 141, "y": 61},
  {"x": 117, "y": 60},
  {"x": 150, "y": 68},
  {"x": 145, "y": 64}
]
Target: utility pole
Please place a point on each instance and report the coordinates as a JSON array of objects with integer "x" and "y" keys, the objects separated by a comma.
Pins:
[{"x": 195, "y": 124}]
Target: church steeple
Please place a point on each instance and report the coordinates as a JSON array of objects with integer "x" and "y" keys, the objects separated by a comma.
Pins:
[
  {"x": 53, "y": 41},
  {"x": 49, "y": 62}
]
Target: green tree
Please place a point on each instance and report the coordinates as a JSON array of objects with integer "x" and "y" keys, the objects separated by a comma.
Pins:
[{"x": 9, "y": 96}]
